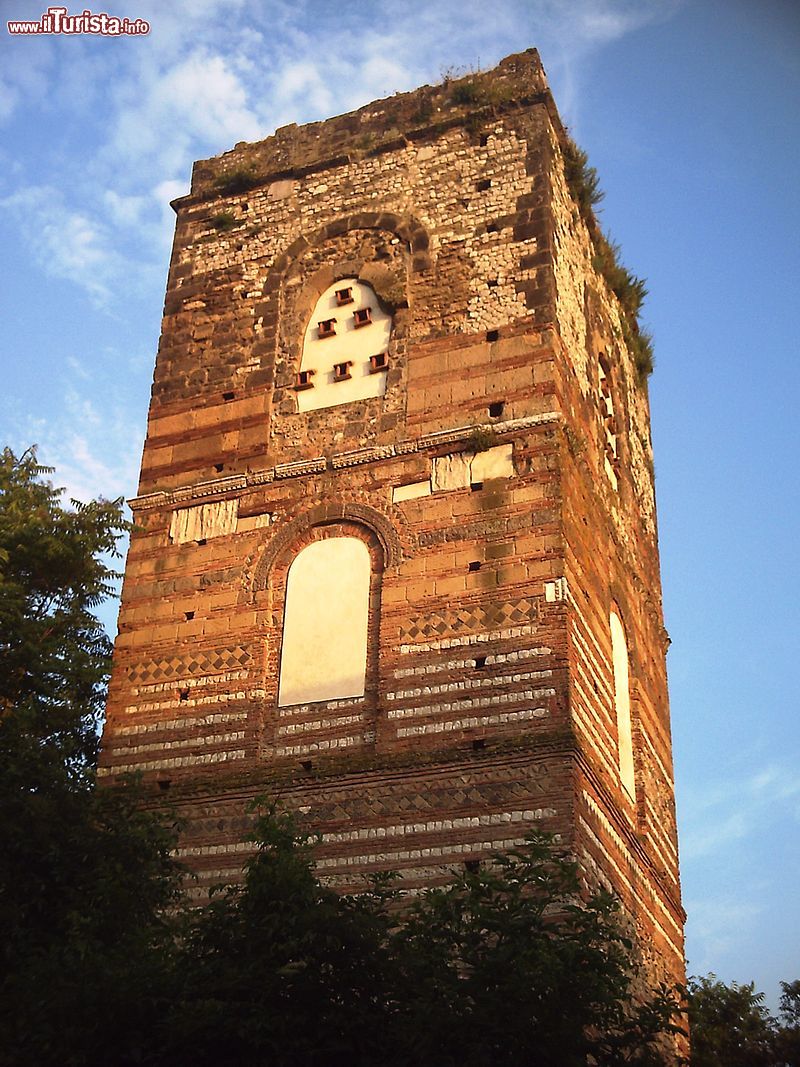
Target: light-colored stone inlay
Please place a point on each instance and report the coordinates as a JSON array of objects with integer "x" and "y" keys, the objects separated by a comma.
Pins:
[
  {"x": 461, "y": 469},
  {"x": 412, "y": 491},
  {"x": 204, "y": 521}
]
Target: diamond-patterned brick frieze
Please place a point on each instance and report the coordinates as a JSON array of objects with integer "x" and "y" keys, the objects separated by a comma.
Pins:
[
  {"x": 469, "y": 619},
  {"x": 210, "y": 661}
]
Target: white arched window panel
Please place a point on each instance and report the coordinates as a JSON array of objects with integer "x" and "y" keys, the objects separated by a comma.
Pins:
[
  {"x": 324, "y": 649},
  {"x": 622, "y": 701},
  {"x": 344, "y": 347}
]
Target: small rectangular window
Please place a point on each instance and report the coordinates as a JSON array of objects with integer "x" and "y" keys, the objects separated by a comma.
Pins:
[
  {"x": 341, "y": 371},
  {"x": 496, "y": 409},
  {"x": 483, "y": 185},
  {"x": 362, "y": 317},
  {"x": 326, "y": 328},
  {"x": 303, "y": 380},
  {"x": 344, "y": 296},
  {"x": 378, "y": 363}
]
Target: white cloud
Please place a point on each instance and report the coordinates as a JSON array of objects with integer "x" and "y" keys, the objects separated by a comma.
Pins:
[
  {"x": 719, "y": 925},
  {"x": 735, "y": 808},
  {"x": 67, "y": 243},
  {"x": 124, "y": 210}
]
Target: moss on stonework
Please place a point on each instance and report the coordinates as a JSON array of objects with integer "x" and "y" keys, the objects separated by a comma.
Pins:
[
  {"x": 630, "y": 290},
  {"x": 224, "y": 221},
  {"x": 482, "y": 439},
  {"x": 238, "y": 180},
  {"x": 389, "y": 284}
]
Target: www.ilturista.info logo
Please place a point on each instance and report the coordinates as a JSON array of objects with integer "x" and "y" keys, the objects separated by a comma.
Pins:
[{"x": 56, "y": 20}]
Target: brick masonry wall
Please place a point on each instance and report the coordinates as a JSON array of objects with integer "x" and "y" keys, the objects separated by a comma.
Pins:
[{"x": 489, "y": 706}]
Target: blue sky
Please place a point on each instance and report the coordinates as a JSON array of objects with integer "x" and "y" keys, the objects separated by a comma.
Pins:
[{"x": 689, "y": 111}]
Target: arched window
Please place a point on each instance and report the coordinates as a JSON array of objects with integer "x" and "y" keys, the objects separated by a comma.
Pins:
[
  {"x": 622, "y": 701},
  {"x": 324, "y": 647},
  {"x": 344, "y": 347}
]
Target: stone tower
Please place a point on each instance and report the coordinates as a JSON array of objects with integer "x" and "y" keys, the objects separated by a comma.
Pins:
[{"x": 396, "y": 561}]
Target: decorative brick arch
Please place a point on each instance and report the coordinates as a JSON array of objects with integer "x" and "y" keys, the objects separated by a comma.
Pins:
[
  {"x": 333, "y": 512},
  {"x": 406, "y": 227}
]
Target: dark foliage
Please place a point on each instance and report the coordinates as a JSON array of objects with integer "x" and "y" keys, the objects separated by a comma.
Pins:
[
  {"x": 584, "y": 186},
  {"x": 85, "y": 877},
  {"x": 730, "y": 1027},
  {"x": 504, "y": 966},
  {"x": 237, "y": 180}
]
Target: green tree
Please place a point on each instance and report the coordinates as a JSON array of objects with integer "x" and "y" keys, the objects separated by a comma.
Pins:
[
  {"x": 510, "y": 965},
  {"x": 282, "y": 970},
  {"x": 54, "y": 652},
  {"x": 506, "y": 965},
  {"x": 729, "y": 1025},
  {"x": 788, "y": 1039},
  {"x": 85, "y": 876}
]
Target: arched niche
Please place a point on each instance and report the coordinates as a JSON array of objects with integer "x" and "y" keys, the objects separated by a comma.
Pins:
[
  {"x": 622, "y": 702},
  {"x": 344, "y": 355},
  {"x": 325, "y": 622}
]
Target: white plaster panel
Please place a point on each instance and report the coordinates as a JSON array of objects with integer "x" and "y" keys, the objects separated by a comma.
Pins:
[
  {"x": 352, "y": 343},
  {"x": 495, "y": 462},
  {"x": 451, "y": 472},
  {"x": 459, "y": 470},
  {"x": 204, "y": 521},
  {"x": 324, "y": 651},
  {"x": 623, "y": 703},
  {"x": 412, "y": 491}
]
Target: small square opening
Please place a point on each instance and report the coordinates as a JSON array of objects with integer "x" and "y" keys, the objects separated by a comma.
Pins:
[
  {"x": 306, "y": 764},
  {"x": 303, "y": 380},
  {"x": 493, "y": 227},
  {"x": 478, "y": 744},
  {"x": 493, "y": 283},
  {"x": 472, "y": 866},
  {"x": 492, "y": 335},
  {"x": 362, "y": 317},
  {"x": 475, "y": 487},
  {"x": 480, "y": 663},
  {"x": 495, "y": 409},
  {"x": 474, "y": 565},
  {"x": 228, "y": 396},
  {"x": 326, "y": 328},
  {"x": 341, "y": 371},
  {"x": 184, "y": 695},
  {"x": 200, "y": 541},
  {"x": 164, "y": 784},
  {"x": 378, "y": 363},
  {"x": 483, "y": 185},
  {"x": 484, "y": 140},
  {"x": 188, "y": 615},
  {"x": 344, "y": 296},
  {"x": 219, "y": 467}
]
